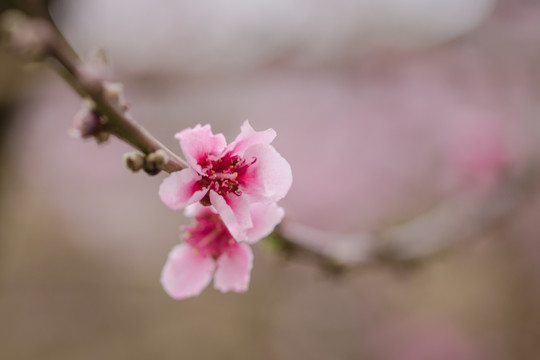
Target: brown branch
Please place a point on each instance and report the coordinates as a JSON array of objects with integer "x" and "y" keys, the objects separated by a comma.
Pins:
[
  {"x": 40, "y": 39},
  {"x": 118, "y": 121}
]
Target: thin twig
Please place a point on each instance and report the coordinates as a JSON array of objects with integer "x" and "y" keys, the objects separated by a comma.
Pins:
[{"x": 119, "y": 123}]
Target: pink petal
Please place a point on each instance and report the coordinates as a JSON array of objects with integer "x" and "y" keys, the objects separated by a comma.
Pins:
[
  {"x": 198, "y": 143},
  {"x": 249, "y": 137},
  {"x": 181, "y": 188},
  {"x": 234, "y": 211},
  {"x": 197, "y": 209},
  {"x": 234, "y": 269},
  {"x": 186, "y": 273},
  {"x": 269, "y": 178},
  {"x": 265, "y": 217}
]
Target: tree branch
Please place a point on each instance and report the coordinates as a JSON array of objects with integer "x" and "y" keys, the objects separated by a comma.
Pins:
[{"x": 42, "y": 39}]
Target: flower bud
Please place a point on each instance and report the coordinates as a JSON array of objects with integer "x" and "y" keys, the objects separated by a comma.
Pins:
[
  {"x": 134, "y": 161},
  {"x": 154, "y": 162},
  {"x": 87, "y": 123},
  {"x": 115, "y": 93}
]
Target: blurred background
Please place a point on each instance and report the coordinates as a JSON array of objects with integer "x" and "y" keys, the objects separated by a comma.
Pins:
[{"x": 387, "y": 110}]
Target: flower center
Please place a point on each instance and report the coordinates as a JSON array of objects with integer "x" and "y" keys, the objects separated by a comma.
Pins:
[
  {"x": 223, "y": 174},
  {"x": 208, "y": 235}
]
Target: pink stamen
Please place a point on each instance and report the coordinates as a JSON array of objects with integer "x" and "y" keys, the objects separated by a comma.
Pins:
[{"x": 208, "y": 235}]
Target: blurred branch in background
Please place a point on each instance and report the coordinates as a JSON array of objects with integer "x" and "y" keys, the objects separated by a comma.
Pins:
[{"x": 451, "y": 221}]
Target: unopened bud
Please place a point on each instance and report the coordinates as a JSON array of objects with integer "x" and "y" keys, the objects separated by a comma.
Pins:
[
  {"x": 154, "y": 162},
  {"x": 115, "y": 93},
  {"x": 101, "y": 137},
  {"x": 89, "y": 104},
  {"x": 134, "y": 161},
  {"x": 98, "y": 63},
  {"x": 90, "y": 77},
  {"x": 99, "y": 57},
  {"x": 87, "y": 123}
]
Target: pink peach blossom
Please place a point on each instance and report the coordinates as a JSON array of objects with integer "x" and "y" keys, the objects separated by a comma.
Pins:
[
  {"x": 209, "y": 250},
  {"x": 229, "y": 177}
]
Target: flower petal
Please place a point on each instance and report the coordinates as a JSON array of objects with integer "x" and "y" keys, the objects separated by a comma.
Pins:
[
  {"x": 265, "y": 217},
  {"x": 234, "y": 269},
  {"x": 196, "y": 209},
  {"x": 249, "y": 137},
  {"x": 234, "y": 211},
  {"x": 186, "y": 273},
  {"x": 269, "y": 178},
  {"x": 181, "y": 188},
  {"x": 199, "y": 142}
]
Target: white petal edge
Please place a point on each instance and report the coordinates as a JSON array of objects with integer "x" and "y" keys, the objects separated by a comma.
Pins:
[
  {"x": 234, "y": 211},
  {"x": 265, "y": 217},
  {"x": 249, "y": 137},
  {"x": 270, "y": 177}
]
